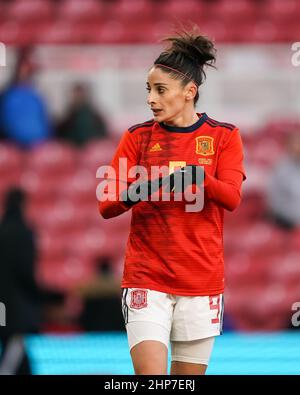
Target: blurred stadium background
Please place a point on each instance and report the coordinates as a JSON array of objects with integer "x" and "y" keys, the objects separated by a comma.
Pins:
[{"x": 101, "y": 50}]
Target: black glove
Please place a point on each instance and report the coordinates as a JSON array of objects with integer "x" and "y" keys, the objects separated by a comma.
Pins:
[
  {"x": 175, "y": 182},
  {"x": 182, "y": 178},
  {"x": 140, "y": 191}
]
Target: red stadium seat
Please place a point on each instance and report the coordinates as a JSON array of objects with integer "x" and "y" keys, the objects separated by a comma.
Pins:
[
  {"x": 88, "y": 242},
  {"x": 262, "y": 307},
  {"x": 41, "y": 210},
  {"x": 258, "y": 237},
  {"x": 285, "y": 268},
  {"x": 249, "y": 267},
  {"x": 257, "y": 178},
  {"x": 64, "y": 273},
  {"x": 266, "y": 152},
  {"x": 157, "y": 29},
  {"x": 3, "y": 7},
  {"x": 252, "y": 209},
  {"x": 80, "y": 10},
  {"x": 182, "y": 9},
  {"x": 11, "y": 158},
  {"x": 262, "y": 31},
  {"x": 94, "y": 242},
  {"x": 232, "y": 11},
  {"x": 133, "y": 10},
  {"x": 80, "y": 187},
  {"x": 58, "y": 215},
  {"x": 87, "y": 213},
  {"x": 292, "y": 32},
  {"x": 271, "y": 307},
  {"x": 95, "y": 154},
  {"x": 41, "y": 186},
  {"x": 216, "y": 29},
  {"x": 283, "y": 11},
  {"x": 295, "y": 240},
  {"x": 133, "y": 21},
  {"x": 280, "y": 129},
  {"x": 51, "y": 245},
  {"x": 237, "y": 268},
  {"x": 17, "y": 33},
  {"x": 114, "y": 31},
  {"x": 52, "y": 158},
  {"x": 30, "y": 10},
  {"x": 59, "y": 31}
]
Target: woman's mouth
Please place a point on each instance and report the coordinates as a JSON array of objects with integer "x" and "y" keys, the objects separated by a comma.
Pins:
[{"x": 156, "y": 111}]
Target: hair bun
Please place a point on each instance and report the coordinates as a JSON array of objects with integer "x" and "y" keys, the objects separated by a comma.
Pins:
[{"x": 197, "y": 48}]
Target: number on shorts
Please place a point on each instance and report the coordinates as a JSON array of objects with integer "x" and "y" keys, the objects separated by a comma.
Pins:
[{"x": 215, "y": 306}]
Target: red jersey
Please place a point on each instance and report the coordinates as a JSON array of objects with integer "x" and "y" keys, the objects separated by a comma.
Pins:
[{"x": 171, "y": 250}]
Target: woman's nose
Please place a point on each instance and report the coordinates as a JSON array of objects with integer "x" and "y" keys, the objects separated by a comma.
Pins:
[{"x": 150, "y": 99}]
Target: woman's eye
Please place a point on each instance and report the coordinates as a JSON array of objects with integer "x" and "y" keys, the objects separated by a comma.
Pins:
[{"x": 161, "y": 91}]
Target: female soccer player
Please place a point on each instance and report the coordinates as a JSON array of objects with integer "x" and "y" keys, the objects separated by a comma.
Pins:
[{"x": 173, "y": 280}]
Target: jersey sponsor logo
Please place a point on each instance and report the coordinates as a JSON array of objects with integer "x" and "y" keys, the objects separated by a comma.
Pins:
[
  {"x": 205, "y": 145},
  {"x": 156, "y": 148},
  {"x": 205, "y": 161},
  {"x": 138, "y": 299}
]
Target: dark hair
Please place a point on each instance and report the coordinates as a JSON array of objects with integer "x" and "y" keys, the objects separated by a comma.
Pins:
[{"x": 188, "y": 53}]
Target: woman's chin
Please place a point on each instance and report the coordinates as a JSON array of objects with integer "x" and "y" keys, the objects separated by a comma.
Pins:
[{"x": 158, "y": 118}]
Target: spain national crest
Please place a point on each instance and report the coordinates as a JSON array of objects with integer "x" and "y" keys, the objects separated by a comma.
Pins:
[
  {"x": 138, "y": 299},
  {"x": 205, "y": 145}
]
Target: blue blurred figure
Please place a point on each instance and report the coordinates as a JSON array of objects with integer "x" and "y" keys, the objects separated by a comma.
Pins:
[{"x": 23, "y": 114}]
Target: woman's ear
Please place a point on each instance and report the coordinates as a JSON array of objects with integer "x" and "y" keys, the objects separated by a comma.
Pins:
[{"x": 191, "y": 92}]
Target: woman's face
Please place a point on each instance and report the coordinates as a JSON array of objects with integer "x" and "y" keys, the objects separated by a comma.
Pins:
[{"x": 167, "y": 97}]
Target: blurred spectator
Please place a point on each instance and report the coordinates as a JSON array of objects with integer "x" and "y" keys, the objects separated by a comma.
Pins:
[
  {"x": 19, "y": 292},
  {"x": 284, "y": 190},
  {"x": 102, "y": 301},
  {"x": 82, "y": 122},
  {"x": 23, "y": 114}
]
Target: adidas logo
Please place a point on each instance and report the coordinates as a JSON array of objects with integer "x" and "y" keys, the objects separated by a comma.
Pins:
[{"x": 156, "y": 148}]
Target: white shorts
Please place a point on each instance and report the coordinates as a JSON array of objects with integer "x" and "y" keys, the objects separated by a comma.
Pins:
[{"x": 177, "y": 318}]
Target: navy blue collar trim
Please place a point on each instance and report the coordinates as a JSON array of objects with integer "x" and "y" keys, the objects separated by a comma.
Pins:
[{"x": 203, "y": 117}]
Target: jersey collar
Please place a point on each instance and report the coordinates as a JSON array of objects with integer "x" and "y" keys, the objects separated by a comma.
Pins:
[{"x": 202, "y": 118}]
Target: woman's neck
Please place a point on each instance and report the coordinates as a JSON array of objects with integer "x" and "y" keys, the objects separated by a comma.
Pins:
[{"x": 183, "y": 120}]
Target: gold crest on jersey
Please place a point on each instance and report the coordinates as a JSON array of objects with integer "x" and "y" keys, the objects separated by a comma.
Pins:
[{"x": 205, "y": 145}]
